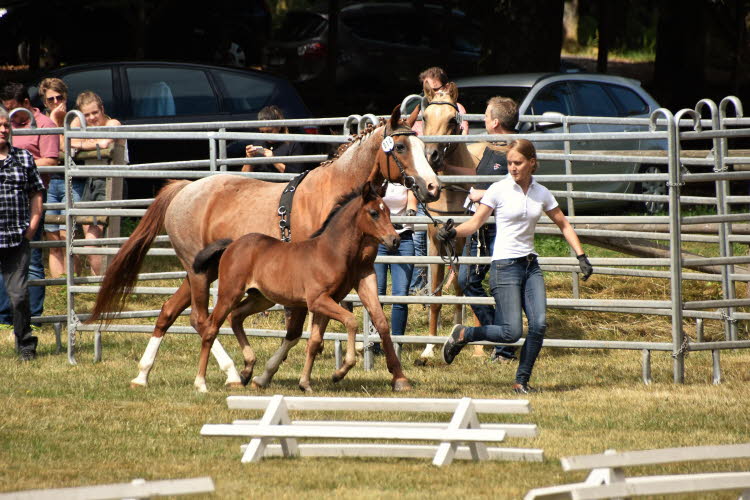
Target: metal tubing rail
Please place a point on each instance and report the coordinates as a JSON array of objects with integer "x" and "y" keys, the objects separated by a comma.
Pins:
[{"x": 661, "y": 126}]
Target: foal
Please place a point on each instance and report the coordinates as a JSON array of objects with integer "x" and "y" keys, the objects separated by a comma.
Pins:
[{"x": 257, "y": 271}]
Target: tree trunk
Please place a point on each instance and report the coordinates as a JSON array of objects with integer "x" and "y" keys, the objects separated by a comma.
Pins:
[{"x": 570, "y": 26}]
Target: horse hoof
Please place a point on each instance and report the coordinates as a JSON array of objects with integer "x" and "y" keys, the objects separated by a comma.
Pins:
[
  {"x": 256, "y": 384},
  {"x": 420, "y": 362},
  {"x": 306, "y": 389},
  {"x": 245, "y": 380},
  {"x": 136, "y": 385},
  {"x": 235, "y": 385},
  {"x": 401, "y": 385},
  {"x": 336, "y": 378}
]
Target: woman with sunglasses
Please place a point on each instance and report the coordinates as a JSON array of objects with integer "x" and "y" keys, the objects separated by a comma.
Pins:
[{"x": 54, "y": 94}]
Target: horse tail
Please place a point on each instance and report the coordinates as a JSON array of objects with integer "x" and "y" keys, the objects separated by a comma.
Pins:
[
  {"x": 208, "y": 258},
  {"x": 122, "y": 273}
]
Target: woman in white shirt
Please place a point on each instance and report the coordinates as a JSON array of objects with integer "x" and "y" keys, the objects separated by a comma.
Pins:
[
  {"x": 400, "y": 201},
  {"x": 516, "y": 280}
]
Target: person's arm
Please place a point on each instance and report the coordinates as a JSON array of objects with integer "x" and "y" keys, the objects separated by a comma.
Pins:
[
  {"x": 567, "y": 230},
  {"x": 411, "y": 203},
  {"x": 476, "y": 195},
  {"x": 281, "y": 167},
  {"x": 36, "y": 215},
  {"x": 472, "y": 225},
  {"x": 91, "y": 144}
]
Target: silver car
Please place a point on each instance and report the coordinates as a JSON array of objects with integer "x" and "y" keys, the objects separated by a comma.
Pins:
[{"x": 576, "y": 94}]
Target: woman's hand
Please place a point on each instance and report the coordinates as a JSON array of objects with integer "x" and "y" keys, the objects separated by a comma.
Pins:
[
  {"x": 57, "y": 114},
  {"x": 586, "y": 268},
  {"x": 252, "y": 151}
]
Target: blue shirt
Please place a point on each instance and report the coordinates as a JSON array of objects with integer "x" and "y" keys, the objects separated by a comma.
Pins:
[{"x": 19, "y": 179}]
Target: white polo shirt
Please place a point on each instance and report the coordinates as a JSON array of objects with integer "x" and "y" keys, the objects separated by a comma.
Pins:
[{"x": 516, "y": 215}]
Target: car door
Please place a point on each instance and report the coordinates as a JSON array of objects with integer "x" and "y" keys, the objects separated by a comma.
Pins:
[
  {"x": 592, "y": 99},
  {"x": 553, "y": 99}
]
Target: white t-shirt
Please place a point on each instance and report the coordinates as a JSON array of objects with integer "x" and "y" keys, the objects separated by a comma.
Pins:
[
  {"x": 516, "y": 215},
  {"x": 396, "y": 196}
]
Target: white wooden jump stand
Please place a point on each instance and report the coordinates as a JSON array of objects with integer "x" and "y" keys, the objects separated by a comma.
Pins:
[
  {"x": 607, "y": 477},
  {"x": 138, "y": 488},
  {"x": 461, "y": 438}
]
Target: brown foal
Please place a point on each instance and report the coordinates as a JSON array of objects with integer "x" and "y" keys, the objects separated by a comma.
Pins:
[{"x": 257, "y": 271}]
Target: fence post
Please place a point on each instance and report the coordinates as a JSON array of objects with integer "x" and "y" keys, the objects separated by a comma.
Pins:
[
  {"x": 675, "y": 243},
  {"x": 570, "y": 201},
  {"x": 222, "y": 150}
]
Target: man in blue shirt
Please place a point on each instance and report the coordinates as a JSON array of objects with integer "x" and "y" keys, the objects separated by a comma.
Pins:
[{"x": 21, "y": 198}]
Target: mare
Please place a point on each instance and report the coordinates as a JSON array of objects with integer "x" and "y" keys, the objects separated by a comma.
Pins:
[
  {"x": 222, "y": 206},
  {"x": 440, "y": 116},
  {"x": 257, "y": 271}
]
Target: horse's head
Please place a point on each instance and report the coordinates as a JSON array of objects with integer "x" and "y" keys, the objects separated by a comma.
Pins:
[
  {"x": 374, "y": 218},
  {"x": 440, "y": 116},
  {"x": 401, "y": 159}
]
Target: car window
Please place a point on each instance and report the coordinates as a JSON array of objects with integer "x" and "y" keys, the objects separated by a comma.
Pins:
[
  {"x": 244, "y": 93},
  {"x": 552, "y": 98},
  {"x": 380, "y": 25},
  {"x": 593, "y": 100},
  {"x": 168, "y": 91},
  {"x": 301, "y": 26},
  {"x": 630, "y": 102},
  {"x": 98, "y": 80},
  {"x": 474, "y": 99}
]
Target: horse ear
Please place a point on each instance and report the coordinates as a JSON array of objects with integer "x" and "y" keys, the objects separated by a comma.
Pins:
[
  {"x": 381, "y": 189},
  {"x": 452, "y": 91},
  {"x": 369, "y": 192},
  {"x": 395, "y": 118},
  {"x": 427, "y": 90},
  {"x": 413, "y": 117}
]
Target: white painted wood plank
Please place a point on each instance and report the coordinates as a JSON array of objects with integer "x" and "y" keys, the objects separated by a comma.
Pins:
[
  {"x": 659, "y": 456},
  {"x": 275, "y": 414},
  {"x": 119, "y": 490},
  {"x": 380, "y": 404},
  {"x": 511, "y": 430},
  {"x": 660, "y": 485},
  {"x": 403, "y": 451},
  {"x": 463, "y": 418},
  {"x": 322, "y": 431}
]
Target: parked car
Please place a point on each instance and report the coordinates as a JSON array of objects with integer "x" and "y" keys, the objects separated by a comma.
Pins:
[
  {"x": 577, "y": 94},
  {"x": 162, "y": 92},
  {"x": 383, "y": 42}
]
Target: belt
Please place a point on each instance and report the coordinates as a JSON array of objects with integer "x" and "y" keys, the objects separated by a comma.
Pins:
[{"x": 526, "y": 258}]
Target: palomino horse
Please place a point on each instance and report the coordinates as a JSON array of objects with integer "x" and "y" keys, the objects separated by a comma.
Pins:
[
  {"x": 440, "y": 116},
  {"x": 229, "y": 206},
  {"x": 257, "y": 271}
]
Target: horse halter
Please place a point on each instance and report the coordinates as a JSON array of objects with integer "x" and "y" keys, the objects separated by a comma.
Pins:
[
  {"x": 387, "y": 145},
  {"x": 457, "y": 128}
]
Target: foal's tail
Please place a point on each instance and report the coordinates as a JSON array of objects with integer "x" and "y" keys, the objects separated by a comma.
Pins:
[
  {"x": 208, "y": 258},
  {"x": 122, "y": 273}
]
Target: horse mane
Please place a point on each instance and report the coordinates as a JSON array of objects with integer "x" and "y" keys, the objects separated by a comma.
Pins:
[
  {"x": 340, "y": 203},
  {"x": 358, "y": 138}
]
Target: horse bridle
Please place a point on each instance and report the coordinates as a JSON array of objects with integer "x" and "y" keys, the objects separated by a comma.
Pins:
[
  {"x": 387, "y": 145},
  {"x": 444, "y": 146}
]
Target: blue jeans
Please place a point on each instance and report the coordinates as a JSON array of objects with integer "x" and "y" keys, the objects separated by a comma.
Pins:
[
  {"x": 400, "y": 279},
  {"x": 56, "y": 194},
  {"x": 470, "y": 278},
  {"x": 516, "y": 284},
  {"x": 419, "y": 278},
  {"x": 36, "y": 293}
]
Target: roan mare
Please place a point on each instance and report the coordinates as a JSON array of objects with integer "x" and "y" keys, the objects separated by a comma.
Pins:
[
  {"x": 226, "y": 206},
  {"x": 257, "y": 271},
  {"x": 441, "y": 116}
]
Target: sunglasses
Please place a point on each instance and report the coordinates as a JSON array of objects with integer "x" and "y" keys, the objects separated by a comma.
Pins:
[{"x": 55, "y": 98}]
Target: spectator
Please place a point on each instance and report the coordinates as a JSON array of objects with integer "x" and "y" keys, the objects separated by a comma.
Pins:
[
  {"x": 54, "y": 95},
  {"x": 515, "y": 277},
  {"x": 400, "y": 201},
  {"x": 45, "y": 150},
  {"x": 270, "y": 148},
  {"x": 20, "y": 217},
  {"x": 92, "y": 107},
  {"x": 437, "y": 79},
  {"x": 500, "y": 117}
]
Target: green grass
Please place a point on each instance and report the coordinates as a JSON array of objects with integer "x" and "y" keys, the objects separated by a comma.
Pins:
[{"x": 81, "y": 425}]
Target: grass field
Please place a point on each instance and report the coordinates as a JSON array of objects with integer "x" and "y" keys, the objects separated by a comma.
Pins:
[{"x": 81, "y": 425}]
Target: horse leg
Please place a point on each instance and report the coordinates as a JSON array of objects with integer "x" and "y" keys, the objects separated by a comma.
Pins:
[
  {"x": 199, "y": 288},
  {"x": 254, "y": 303},
  {"x": 170, "y": 311},
  {"x": 295, "y": 323},
  {"x": 325, "y": 305},
  {"x": 318, "y": 325},
  {"x": 438, "y": 273},
  {"x": 368, "y": 295}
]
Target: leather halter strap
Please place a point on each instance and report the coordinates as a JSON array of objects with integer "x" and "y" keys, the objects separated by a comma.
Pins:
[
  {"x": 285, "y": 206},
  {"x": 406, "y": 180}
]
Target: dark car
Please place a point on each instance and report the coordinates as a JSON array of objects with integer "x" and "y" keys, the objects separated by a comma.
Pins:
[
  {"x": 161, "y": 92},
  {"x": 382, "y": 43}
]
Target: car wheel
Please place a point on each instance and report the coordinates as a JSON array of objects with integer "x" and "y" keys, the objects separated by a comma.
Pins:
[{"x": 652, "y": 207}]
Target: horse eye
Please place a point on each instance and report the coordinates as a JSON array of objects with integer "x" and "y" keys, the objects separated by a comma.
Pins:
[
  {"x": 374, "y": 214},
  {"x": 400, "y": 148}
]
